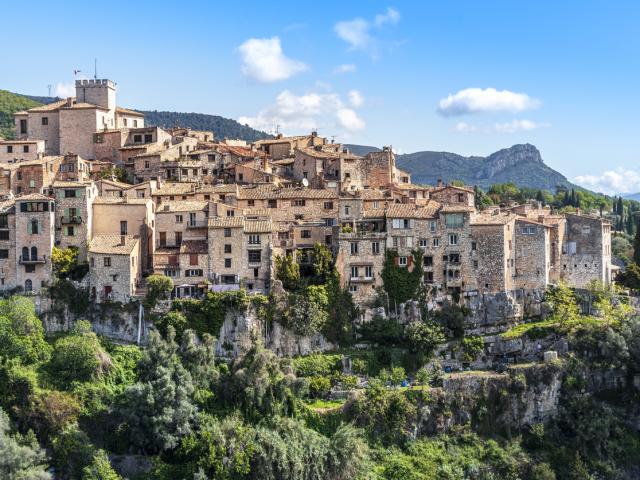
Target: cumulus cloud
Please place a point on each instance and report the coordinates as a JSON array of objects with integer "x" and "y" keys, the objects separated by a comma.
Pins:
[
  {"x": 612, "y": 182},
  {"x": 264, "y": 61},
  {"x": 345, "y": 68},
  {"x": 302, "y": 113},
  {"x": 64, "y": 90},
  {"x": 360, "y": 34},
  {"x": 355, "y": 98},
  {"x": 478, "y": 100}
]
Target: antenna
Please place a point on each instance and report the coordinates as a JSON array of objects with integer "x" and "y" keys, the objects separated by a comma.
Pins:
[
  {"x": 49, "y": 87},
  {"x": 95, "y": 68}
]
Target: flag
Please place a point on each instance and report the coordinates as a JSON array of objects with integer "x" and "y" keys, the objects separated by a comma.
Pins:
[{"x": 75, "y": 72}]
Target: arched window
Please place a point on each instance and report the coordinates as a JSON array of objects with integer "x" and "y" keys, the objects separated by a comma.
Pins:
[
  {"x": 25, "y": 253},
  {"x": 28, "y": 286},
  {"x": 34, "y": 253}
]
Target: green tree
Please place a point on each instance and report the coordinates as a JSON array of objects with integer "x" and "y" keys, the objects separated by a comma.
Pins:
[
  {"x": 159, "y": 287},
  {"x": 100, "y": 468},
  {"x": 563, "y": 303},
  {"x": 21, "y": 458},
  {"x": 288, "y": 272},
  {"x": 64, "y": 260},
  {"x": 322, "y": 263},
  {"x": 424, "y": 336},
  {"x": 471, "y": 348},
  {"x": 307, "y": 313},
  {"x": 636, "y": 247},
  {"x": 348, "y": 456},
  {"x": 158, "y": 409},
  {"x": 79, "y": 356},
  {"x": 21, "y": 332}
]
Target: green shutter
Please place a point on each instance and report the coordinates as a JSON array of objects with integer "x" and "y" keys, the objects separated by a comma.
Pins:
[
  {"x": 66, "y": 212},
  {"x": 40, "y": 230},
  {"x": 79, "y": 192},
  {"x": 29, "y": 231}
]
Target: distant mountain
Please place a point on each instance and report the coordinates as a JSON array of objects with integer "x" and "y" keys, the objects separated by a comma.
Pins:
[
  {"x": 361, "y": 150},
  {"x": 520, "y": 164},
  {"x": 220, "y": 126},
  {"x": 631, "y": 196}
]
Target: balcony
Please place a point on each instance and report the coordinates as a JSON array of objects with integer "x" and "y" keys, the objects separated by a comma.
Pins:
[
  {"x": 71, "y": 220},
  {"x": 361, "y": 279},
  {"x": 31, "y": 260},
  {"x": 197, "y": 224}
]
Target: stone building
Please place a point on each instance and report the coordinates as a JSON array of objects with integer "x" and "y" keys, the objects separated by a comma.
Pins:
[
  {"x": 74, "y": 215},
  {"x": 13, "y": 151},
  {"x": 35, "y": 227},
  {"x": 115, "y": 270}
]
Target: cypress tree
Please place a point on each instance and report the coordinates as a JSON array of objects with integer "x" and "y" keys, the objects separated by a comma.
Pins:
[
  {"x": 630, "y": 223},
  {"x": 636, "y": 247}
]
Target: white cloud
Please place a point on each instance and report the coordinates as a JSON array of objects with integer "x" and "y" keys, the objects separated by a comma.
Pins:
[
  {"x": 464, "y": 127},
  {"x": 612, "y": 182},
  {"x": 391, "y": 16},
  {"x": 64, "y": 90},
  {"x": 302, "y": 113},
  {"x": 518, "y": 126},
  {"x": 345, "y": 68},
  {"x": 478, "y": 100},
  {"x": 359, "y": 33},
  {"x": 264, "y": 61},
  {"x": 350, "y": 120},
  {"x": 355, "y": 98}
]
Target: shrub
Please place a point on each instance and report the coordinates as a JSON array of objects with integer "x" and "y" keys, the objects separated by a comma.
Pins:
[
  {"x": 159, "y": 287},
  {"x": 471, "y": 348},
  {"x": 316, "y": 364},
  {"x": 319, "y": 387}
]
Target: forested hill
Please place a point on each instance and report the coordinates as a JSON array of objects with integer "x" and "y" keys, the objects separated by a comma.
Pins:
[{"x": 221, "y": 127}]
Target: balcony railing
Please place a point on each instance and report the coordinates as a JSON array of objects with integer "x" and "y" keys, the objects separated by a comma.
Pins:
[
  {"x": 74, "y": 219},
  {"x": 31, "y": 260},
  {"x": 197, "y": 224},
  {"x": 361, "y": 279}
]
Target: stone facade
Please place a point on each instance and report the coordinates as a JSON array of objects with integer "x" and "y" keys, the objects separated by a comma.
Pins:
[{"x": 115, "y": 270}]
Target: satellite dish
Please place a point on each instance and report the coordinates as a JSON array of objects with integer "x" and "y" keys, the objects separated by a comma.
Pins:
[{"x": 305, "y": 182}]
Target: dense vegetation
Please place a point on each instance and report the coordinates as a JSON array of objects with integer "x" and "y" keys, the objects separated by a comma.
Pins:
[{"x": 9, "y": 104}]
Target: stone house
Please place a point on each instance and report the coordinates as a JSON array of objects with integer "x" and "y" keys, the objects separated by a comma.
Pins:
[
  {"x": 115, "y": 270},
  {"x": 34, "y": 234},
  {"x": 284, "y": 147},
  {"x": 13, "y": 151},
  {"x": 74, "y": 215},
  {"x": 8, "y": 264}
]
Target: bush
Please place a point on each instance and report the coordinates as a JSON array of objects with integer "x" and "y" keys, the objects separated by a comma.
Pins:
[
  {"x": 21, "y": 332},
  {"x": 316, "y": 364},
  {"x": 159, "y": 287},
  {"x": 319, "y": 387},
  {"x": 471, "y": 348}
]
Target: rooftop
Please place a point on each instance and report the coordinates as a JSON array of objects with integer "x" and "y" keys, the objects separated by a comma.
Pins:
[{"x": 113, "y": 244}]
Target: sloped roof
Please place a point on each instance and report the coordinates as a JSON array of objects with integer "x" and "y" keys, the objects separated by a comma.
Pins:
[{"x": 113, "y": 244}]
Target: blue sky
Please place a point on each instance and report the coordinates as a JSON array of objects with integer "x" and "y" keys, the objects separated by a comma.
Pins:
[{"x": 468, "y": 77}]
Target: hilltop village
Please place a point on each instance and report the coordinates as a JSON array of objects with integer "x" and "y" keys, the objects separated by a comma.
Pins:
[{"x": 213, "y": 215}]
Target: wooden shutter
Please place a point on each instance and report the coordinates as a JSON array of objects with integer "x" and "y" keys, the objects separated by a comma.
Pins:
[{"x": 193, "y": 259}]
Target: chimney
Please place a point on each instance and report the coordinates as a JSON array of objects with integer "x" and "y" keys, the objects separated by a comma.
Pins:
[
  {"x": 122, "y": 240},
  {"x": 314, "y": 133},
  {"x": 69, "y": 102},
  {"x": 439, "y": 183}
]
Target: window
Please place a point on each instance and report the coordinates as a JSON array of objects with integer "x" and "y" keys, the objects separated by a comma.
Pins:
[
  {"x": 347, "y": 210},
  {"x": 32, "y": 184},
  {"x": 163, "y": 239},
  {"x": 585, "y": 230},
  {"x": 135, "y": 124},
  {"x": 227, "y": 263},
  {"x": 147, "y": 164},
  {"x": 227, "y": 248},
  {"x": 375, "y": 248},
  {"x": 423, "y": 242},
  {"x": 227, "y": 232},
  {"x": 305, "y": 234},
  {"x": 454, "y": 220},
  {"x": 299, "y": 203},
  {"x": 436, "y": 242},
  {"x": 529, "y": 230},
  {"x": 354, "y": 248},
  {"x": 328, "y": 205},
  {"x": 475, "y": 264},
  {"x": 19, "y": 175},
  {"x": 9, "y": 148},
  {"x": 4, "y": 253},
  {"x": 107, "y": 261},
  {"x": 70, "y": 231},
  {"x": 453, "y": 239},
  {"x": 23, "y": 126},
  {"x": 137, "y": 138},
  {"x": 461, "y": 197},
  {"x": 193, "y": 272},
  {"x": 432, "y": 225},
  {"x": 329, "y": 222},
  {"x": 272, "y": 204},
  {"x": 354, "y": 272},
  {"x": 178, "y": 218},
  {"x": 402, "y": 261},
  {"x": 474, "y": 246},
  {"x": 256, "y": 272},
  {"x": 298, "y": 217},
  {"x": 402, "y": 223},
  {"x": 428, "y": 261},
  {"x": 353, "y": 288},
  {"x": 193, "y": 259},
  {"x": 368, "y": 271},
  {"x": 255, "y": 256},
  {"x": 148, "y": 138},
  {"x": 33, "y": 227},
  {"x": 454, "y": 258},
  {"x": 231, "y": 213},
  {"x": 428, "y": 277},
  {"x": 25, "y": 148},
  {"x": 28, "y": 285},
  {"x": 123, "y": 227},
  {"x": 178, "y": 239},
  {"x": 254, "y": 239}
]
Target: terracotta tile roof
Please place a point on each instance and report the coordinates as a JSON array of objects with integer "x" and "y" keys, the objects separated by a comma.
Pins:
[
  {"x": 256, "y": 212},
  {"x": 225, "y": 222},
  {"x": 268, "y": 141},
  {"x": 126, "y": 111},
  {"x": 50, "y": 107},
  {"x": 528, "y": 220},
  {"x": 221, "y": 188},
  {"x": 112, "y": 244},
  {"x": 7, "y": 204},
  {"x": 408, "y": 210},
  {"x": 268, "y": 192},
  {"x": 34, "y": 196},
  {"x": 194, "y": 246},
  {"x": 457, "y": 208},
  {"x": 462, "y": 189},
  {"x": 312, "y": 152},
  {"x": 258, "y": 226},
  {"x": 82, "y": 106},
  {"x": 61, "y": 184},
  {"x": 115, "y": 183},
  {"x": 489, "y": 219},
  {"x": 121, "y": 200},
  {"x": 175, "y": 188},
  {"x": 182, "y": 206}
]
